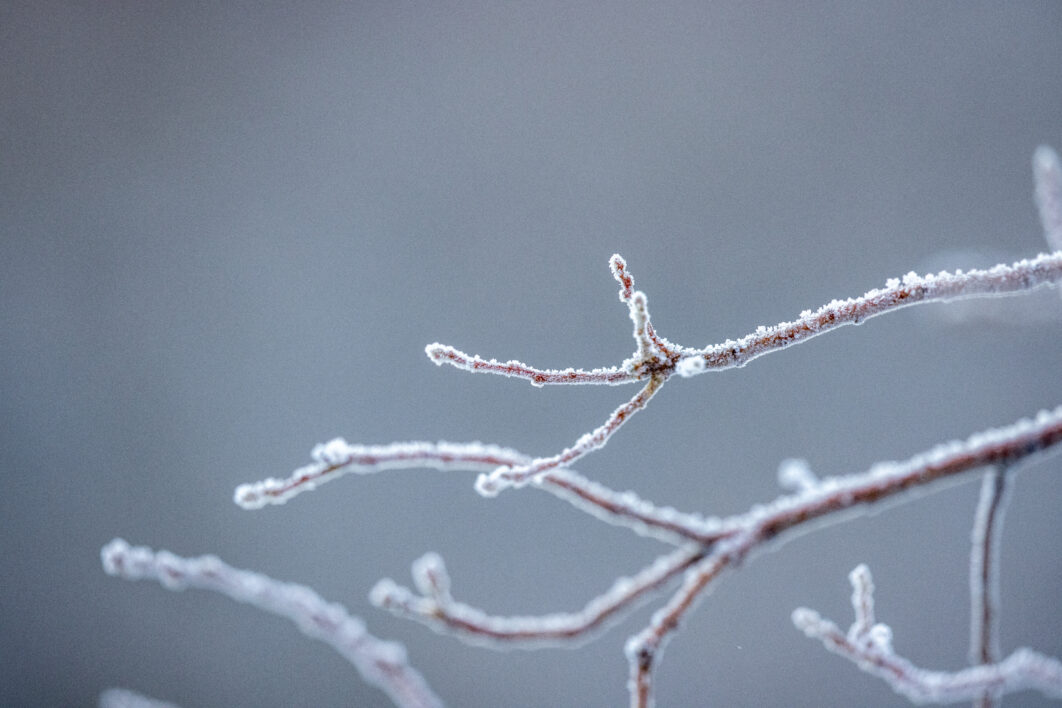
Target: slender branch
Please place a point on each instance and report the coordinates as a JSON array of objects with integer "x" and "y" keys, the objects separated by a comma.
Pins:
[
  {"x": 869, "y": 646},
  {"x": 381, "y": 663},
  {"x": 504, "y": 477},
  {"x": 984, "y": 574},
  {"x": 630, "y": 510},
  {"x": 435, "y": 607},
  {"x": 898, "y": 293},
  {"x": 338, "y": 458}
]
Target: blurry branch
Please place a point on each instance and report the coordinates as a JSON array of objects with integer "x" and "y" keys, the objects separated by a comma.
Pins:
[
  {"x": 869, "y": 645},
  {"x": 382, "y": 664},
  {"x": 123, "y": 698},
  {"x": 984, "y": 574},
  {"x": 1048, "y": 176}
]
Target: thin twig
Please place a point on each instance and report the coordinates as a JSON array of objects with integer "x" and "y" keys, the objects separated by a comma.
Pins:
[
  {"x": 984, "y": 574},
  {"x": 504, "y": 477}
]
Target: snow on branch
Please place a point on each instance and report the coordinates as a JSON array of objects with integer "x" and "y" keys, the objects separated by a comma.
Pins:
[
  {"x": 381, "y": 663},
  {"x": 868, "y": 644},
  {"x": 706, "y": 547},
  {"x": 338, "y": 457},
  {"x": 436, "y": 608}
]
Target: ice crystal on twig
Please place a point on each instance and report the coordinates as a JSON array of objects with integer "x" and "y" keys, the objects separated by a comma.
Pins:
[
  {"x": 490, "y": 484},
  {"x": 796, "y": 475}
]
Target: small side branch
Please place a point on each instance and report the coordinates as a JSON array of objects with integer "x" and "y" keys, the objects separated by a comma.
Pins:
[
  {"x": 869, "y": 645},
  {"x": 444, "y": 354},
  {"x": 436, "y": 608},
  {"x": 984, "y": 574},
  {"x": 504, "y": 477},
  {"x": 381, "y": 663}
]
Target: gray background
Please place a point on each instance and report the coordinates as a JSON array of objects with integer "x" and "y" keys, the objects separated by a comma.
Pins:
[{"x": 228, "y": 231}]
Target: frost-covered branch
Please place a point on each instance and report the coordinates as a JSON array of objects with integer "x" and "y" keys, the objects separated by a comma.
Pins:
[
  {"x": 655, "y": 355},
  {"x": 381, "y": 663},
  {"x": 504, "y": 477},
  {"x": 338, "y": 457},
  {"x": 898, "y": 293},
  {"x": 658, "y": 359},
  {"x": 869, "y": 645},
  {"x": 445, "y": 354},
  {"x": 436, "y": 608}
]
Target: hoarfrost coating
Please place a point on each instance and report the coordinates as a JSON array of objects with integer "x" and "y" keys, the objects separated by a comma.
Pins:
[{"x": 705, "y": 548}]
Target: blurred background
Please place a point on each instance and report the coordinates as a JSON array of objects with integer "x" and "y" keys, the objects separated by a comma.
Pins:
[{"x": 230, "y": 229}]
